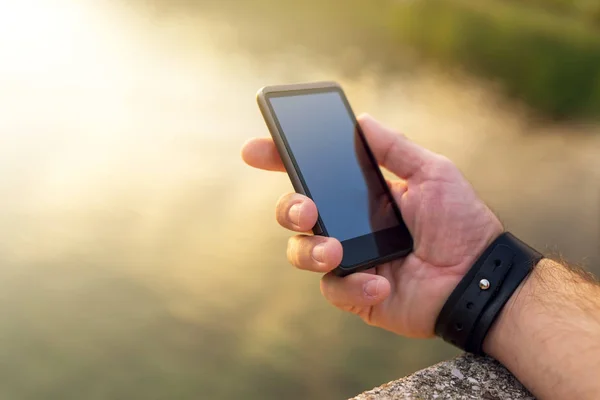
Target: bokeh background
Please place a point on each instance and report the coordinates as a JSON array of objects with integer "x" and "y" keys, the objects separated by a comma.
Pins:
[{"x": 139, "y": 257}]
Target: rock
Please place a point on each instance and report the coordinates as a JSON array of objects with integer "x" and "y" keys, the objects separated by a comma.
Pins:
[
  {"x": 456, "y": 372},
  {"x": 485, "y": 379}
]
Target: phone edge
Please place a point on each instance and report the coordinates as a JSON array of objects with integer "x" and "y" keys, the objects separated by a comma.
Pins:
[
  {"x": 286, "y": 158},
  {"x": 296, "y": 86},
  {"x": 341, "y": 272}
]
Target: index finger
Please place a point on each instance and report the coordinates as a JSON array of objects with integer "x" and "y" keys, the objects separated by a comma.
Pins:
[{"x": 261, "y": 153}]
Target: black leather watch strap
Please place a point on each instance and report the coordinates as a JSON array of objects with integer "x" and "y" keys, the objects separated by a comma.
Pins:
[{"x": 479, "y": 297}]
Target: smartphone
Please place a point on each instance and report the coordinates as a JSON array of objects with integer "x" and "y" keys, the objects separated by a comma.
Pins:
[{"x": 328, "y": 159}]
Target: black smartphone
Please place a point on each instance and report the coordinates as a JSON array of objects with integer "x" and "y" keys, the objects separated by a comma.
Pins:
[{"x": 328, "y": 159}]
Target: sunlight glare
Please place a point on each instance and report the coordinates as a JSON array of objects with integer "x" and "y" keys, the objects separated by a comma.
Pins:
[{"x": 48, "y": 42}]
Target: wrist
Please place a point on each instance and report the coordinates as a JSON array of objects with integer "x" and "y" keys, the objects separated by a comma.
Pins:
[
  {"x": 472, "y": 308},
  {"x": 546, "y": 335},
  {"x": 503, "y": 336},
  {"x": 531, "y": 308}
]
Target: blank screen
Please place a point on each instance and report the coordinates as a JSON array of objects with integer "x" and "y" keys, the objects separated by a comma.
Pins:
[{"x": 332, "y": 160}]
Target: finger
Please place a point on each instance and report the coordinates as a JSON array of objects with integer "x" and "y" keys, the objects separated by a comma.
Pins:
[
  {"x": 398, "y": 188},
  {"x": 296, "y": 212},
  {"x": 393, "y": 150},
  {"x": 314, "y": 253},
  {"x": 261, "y": 153},
  {"x": 356, "y": 290}
]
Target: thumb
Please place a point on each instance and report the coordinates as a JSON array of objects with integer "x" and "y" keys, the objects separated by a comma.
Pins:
[{"x": 392, "y": 150}]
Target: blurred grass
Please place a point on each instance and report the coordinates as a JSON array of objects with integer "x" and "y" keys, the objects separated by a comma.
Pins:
[
  {"x": 586, "y": 9},
  {"x": 543, "y": 52},
  {"x": 550, "y": 61}
]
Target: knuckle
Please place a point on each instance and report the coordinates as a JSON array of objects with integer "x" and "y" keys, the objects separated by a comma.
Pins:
[
  {"x": 304, "y": 252},
  {"x": 282, "y": 200},
  {"x": 279, "y": 217},
  {"x": 290, "y": 251},
  {"x": 282, "y": 208},
  {"x": 444, "y": 162},
  {"x": 327, "y": 288},
  {"x": 298, "y": 252},
  {"x": 367, "y": 319},
  {"x": 440, "y": 166}
]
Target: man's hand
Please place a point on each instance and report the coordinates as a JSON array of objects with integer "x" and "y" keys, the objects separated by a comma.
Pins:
[
  {"x": 450, "y": 225},
  {"x": 548, "y": 334}
]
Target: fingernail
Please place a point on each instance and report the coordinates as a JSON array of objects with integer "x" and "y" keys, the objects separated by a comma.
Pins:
[
  {"x": 371, "y": 288},
  {"x": 294, "y": 214},
  {"x": 318, "y": 252}
]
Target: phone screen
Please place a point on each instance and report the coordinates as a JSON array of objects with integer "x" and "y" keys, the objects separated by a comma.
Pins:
[{"x": 338, "y": 171}]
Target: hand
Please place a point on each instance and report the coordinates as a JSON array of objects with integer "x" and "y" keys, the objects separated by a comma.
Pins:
[{"x": 450, "y": 225}]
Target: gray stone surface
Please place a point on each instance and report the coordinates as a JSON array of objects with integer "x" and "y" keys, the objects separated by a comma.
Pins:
[{"x": 465, "y": 377}]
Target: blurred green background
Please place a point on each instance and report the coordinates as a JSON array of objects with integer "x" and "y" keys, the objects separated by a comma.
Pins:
[{"x": 139, "y": 257}]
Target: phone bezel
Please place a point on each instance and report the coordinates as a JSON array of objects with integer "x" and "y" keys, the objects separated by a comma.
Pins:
[{"x": 359, "y": 244}]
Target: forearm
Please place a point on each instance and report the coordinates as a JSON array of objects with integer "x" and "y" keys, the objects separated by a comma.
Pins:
[{"x": 548, "y": 334}]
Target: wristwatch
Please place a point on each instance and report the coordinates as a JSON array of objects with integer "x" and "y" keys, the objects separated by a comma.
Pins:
[{"x": 474, "y": 305}]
